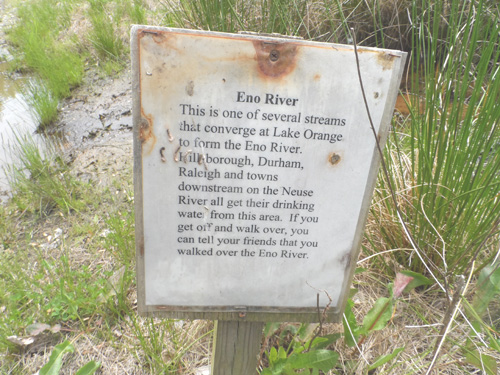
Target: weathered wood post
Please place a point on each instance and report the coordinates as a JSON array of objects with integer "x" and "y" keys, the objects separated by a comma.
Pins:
[
  {"x": 254, "y": 166},
  {"x": 236, "y": 347}
]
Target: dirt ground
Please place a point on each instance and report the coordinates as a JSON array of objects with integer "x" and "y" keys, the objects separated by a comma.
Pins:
[{"x": 96, "y": 126}]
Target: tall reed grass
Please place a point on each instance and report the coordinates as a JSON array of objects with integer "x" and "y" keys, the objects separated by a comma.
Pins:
[
  {"x": 103, "y": 35},
  {"x": 42, "y": 102},
  {"x": 444, "y": 157}
]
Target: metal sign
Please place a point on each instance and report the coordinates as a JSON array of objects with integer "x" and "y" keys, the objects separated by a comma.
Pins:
[{"x": 254, "y": 169}]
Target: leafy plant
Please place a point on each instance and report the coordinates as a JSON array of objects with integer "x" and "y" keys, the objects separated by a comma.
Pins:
[
  {"x": 488, "y": 287},
  {"x": 379, "y": 315},
  {"x": 306, "y": 353},
  {"x": 54, "y": 365},
  {"x": 383, "y": 359},
  {"x": 311, "y": 361}
]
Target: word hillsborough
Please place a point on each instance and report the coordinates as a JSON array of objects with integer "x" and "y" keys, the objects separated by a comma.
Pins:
[{"x": 255, "y": 163}]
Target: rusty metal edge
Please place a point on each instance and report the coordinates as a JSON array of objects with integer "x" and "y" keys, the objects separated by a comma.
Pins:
[{"x": 262, "y": 37}]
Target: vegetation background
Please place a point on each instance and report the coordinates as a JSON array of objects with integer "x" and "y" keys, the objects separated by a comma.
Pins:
[{"x": 425, "y": 297}]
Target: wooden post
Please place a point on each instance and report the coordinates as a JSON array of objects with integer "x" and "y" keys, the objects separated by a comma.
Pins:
[{"x": 236, "y": 347}]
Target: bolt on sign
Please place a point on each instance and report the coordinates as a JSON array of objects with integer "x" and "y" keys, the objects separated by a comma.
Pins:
[{"x": 255, "y": 164}]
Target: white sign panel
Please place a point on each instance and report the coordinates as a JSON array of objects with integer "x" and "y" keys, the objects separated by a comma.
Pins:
[{"x": 254, "y": 167}]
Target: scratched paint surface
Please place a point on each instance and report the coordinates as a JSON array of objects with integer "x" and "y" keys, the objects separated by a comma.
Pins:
[{"x": 256, "y": 165}]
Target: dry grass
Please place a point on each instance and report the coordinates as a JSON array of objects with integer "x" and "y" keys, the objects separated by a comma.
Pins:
[{"x": 120, "y": 354}]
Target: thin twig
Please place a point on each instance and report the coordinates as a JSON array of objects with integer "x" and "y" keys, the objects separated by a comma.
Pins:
[
  {"x": 321, "y": 316},
  {"x": 386, "y": 171},
  {"x": 320, "y": 326},
  {"x": 443, "y": 256},
  {"x": 380, "y": 253},
  {"x": 448, "y": 320}
]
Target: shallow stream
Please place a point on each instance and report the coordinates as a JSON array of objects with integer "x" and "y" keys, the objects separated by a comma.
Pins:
[{"x": 15, "y": 117}]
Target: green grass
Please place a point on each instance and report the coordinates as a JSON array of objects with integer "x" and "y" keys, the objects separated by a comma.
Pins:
[
  {"x": 41, "y": 180},
  {"x": 42, "y": 103},
  {"x": 295, "y": 17},
  {"x": 51, "y": 291},
  {"x": 53, "y": 48},
  {"x": 164, "y": 345},
  {"x": 103, "y": 35},
  {"x": 67, "y": 249},
  {"x": 137, "y": 12},
  {"x": 444, "y": 158},
  {"x": 57, "y": 65},
  {"x": 76, "y": 268}
]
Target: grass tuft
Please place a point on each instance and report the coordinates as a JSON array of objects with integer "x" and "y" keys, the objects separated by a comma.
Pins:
[
  {"x": 58, "y": 66},
  {"x": 40, "y": 178},
  {"x": 103, "y": 35},
  {"x": 42, "y": 103}
]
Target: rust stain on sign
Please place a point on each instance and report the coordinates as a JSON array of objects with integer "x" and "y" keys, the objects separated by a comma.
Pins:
[
  {"x": 186, "y": 156},
  {"x": 170, "y": 136},
  {"x": 275, "y": 59},
  {"x": 334, "y": 158},
  {"x": 160, "y": 37},
  {"x": 176, "y": 153},
  {"x": 146, "y": 134},
  {"x": 386, "y": 60}
]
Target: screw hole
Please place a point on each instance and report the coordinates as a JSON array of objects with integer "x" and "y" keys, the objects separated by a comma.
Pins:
[
  {"x": 274, "y": 55},
  {"x": 334, "y": 158}
]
